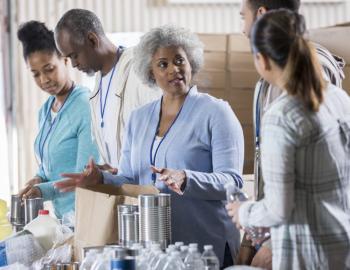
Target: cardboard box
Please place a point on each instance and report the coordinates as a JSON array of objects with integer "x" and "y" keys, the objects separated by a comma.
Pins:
[
  {"x": 240, "y": 60},
  {"x": 214, "y": 60},
  {"x": 220, "y": 93},
  {"x": 210, "y": 79},
  {"x": 244, "y": 115},
  {"x": 238, "y": 43},
  {"x": 96, "y": 213},
  {"x": 240, "y": 78},
  {"x": 214, "y": 42},
  {"x": 336, "y": 39},
  {"x": 240, "y": 98}
]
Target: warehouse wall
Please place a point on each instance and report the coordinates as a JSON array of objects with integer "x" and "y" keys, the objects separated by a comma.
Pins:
[{"x": 126, "y": 16}]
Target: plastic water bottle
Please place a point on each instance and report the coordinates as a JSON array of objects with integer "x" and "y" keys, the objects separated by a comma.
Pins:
[
  {"x": 174, "y": 262},
  {"x": 178, "y": 245},
  {"x": 89, "y": 259},
  {"x": 193, "y": 260},
  {"x": 211, "y": 262},
  {"x": 153, "y": 260},
  {"x": 162, "y": 260},
  {"x": 183, "y": 252},
  {"x": 103, "y": 261},
  {"x": 44, "y": 228}
]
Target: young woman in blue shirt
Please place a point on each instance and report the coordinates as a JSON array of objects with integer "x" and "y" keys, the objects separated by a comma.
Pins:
[{"x": 64, "y": 139}]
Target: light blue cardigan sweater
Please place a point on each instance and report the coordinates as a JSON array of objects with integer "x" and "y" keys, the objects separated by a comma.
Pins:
[
  {"x": 207, "y": 142},
  {"x": 68, "y": 146}
]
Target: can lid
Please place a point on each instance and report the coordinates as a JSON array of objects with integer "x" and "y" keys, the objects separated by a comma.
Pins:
[{"x": 43, "y": 212}]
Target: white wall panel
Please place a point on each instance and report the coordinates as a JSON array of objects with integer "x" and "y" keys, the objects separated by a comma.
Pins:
[{"x": 126, "y": 16}]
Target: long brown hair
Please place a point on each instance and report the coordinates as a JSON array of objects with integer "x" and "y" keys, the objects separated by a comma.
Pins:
[{"x": 278, "y": 34}]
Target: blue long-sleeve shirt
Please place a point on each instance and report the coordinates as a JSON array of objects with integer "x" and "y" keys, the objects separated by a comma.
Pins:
[
  {"x": 206, "y": 141},
  {"x": 67, "y": 146}
]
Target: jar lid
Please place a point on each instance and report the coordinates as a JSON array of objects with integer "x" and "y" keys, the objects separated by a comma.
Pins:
[{"x": 43, "y": 212}]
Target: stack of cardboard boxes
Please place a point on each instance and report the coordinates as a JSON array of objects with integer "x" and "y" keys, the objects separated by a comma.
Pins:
[
  {"x": 229, "y": 74},
  {"x": 336, "y": 39}
]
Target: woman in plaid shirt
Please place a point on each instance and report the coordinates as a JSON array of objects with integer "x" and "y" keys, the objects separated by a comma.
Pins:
[{"x": 305, "y": 152}]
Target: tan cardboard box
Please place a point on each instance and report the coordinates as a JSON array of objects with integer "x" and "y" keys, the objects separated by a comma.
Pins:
[
  {"x": 244, "y": 115},
  {"x": 336, "y": 39},
  {"x": 238, "y": 43},
  {"x": 214, "y": 60},
  {"x": 220, "y": 93},
  {"x": 240, "y": 98},
  {"x": 240, "y": 60},
  {"x": 96, "y": 213},
  {"x": 210, "y": 79},
  {"x": 214, "y": 42},
  {"x": 240, "y": 78}
]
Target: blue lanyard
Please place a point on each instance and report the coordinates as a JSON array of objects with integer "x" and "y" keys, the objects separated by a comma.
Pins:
[
  {"x": 41, "y": 145},
  {"x": 257, "y": 119},
  {"x": 103, "y": 107},
  {"x": 153, "y": 160}
]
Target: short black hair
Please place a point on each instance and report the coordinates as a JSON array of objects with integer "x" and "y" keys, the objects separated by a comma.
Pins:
[
  {"x": 35, "y": 36},
  {"x": 78, "y": 22},
  {"x": 292, "y": 5}
]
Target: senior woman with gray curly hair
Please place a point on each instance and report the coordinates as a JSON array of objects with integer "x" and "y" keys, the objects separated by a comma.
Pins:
[{"x": 187, "y": 143}]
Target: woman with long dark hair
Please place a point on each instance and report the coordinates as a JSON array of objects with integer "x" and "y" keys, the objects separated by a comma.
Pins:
[{"x": 305, "y": 152}]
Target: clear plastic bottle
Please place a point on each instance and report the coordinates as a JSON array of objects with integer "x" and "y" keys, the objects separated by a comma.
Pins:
[
  {"x": 183, "y": 252},
  {"x": 161, "y": 261},
  {"x": 211, "y": 262},
  {"x": 174, "y": 262},
  {"x": 89, "y": 259},
  {"x": 103, "y": 261},
  {"x": 193, "y": 260},
  {"x": 153, "y": 260},
  {"x": 147, "y": 255},
  {"x": 178, "y": 245},
  {"x": 44, "y": 228}
]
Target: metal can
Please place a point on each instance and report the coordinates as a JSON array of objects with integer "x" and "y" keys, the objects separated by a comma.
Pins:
[{"x": 127, "y": 263}]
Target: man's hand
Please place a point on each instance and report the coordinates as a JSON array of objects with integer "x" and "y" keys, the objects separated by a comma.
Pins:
[
  {"x": 91, "y": 176},
  {"x": 263, "y": 258},
  {"x": 233, "y": 211},
  {"x": 108, "y": 168}
]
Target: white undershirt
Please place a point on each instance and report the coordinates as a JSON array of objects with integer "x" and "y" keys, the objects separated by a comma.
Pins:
[
  {"x": 53, "y": 115},
  {"x": 109, "y": 130},
  {"x": 155, "y": 145}
]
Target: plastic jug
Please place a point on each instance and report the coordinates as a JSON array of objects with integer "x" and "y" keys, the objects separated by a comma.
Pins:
[
  {"x": 44, "y": 228},
  {"x": 5, "y": 225}
]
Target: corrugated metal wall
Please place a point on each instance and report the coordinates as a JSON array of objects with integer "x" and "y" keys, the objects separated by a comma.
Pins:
[{"x": 126, "y": 16}]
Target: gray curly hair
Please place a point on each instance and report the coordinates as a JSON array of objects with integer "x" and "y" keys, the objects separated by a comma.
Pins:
[{"x": 163, "y": 37}]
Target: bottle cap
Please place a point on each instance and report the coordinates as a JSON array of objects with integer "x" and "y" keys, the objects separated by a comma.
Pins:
[
  {"x": 208, "y": 247},
  {"x": 43, "y": 212}
]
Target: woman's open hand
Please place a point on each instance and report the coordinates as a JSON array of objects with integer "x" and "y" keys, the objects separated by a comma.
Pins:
[{"x": 174, "y": 179}]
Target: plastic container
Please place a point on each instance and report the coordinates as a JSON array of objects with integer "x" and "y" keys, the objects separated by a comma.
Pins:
[
  {"x": 44, "y": 229},
  {"x": 21, "y": 248},
  {"x": 174, "y": 262},
  {"x": 193, "y": 260},
  {"x": 211, "y": 262},
  {"x": 5, "y": 225}
]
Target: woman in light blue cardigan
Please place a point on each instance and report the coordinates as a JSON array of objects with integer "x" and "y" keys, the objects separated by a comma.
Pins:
[
  {"x": 64, "y": 140},
  {"x": 187, "y": 143}
]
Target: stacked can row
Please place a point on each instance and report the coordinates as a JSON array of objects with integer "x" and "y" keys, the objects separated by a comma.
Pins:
[{"x": 147, "y": 223}]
